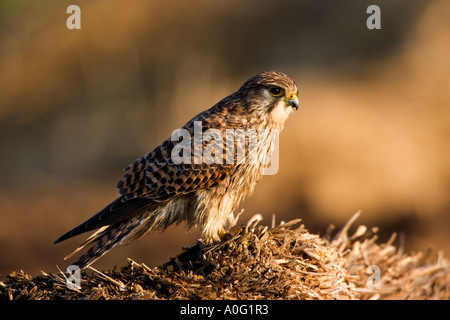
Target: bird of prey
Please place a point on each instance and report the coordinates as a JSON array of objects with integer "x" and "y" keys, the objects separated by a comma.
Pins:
[{"x": 200, "y": 174}]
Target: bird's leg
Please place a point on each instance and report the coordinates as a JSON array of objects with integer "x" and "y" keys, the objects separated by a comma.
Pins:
[{"x": 223, "y": 234}]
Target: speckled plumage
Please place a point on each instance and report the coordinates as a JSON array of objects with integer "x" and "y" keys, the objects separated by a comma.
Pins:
[{"x": 157, "y": 190}]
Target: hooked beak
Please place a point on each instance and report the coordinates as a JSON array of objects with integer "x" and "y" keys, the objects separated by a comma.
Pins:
[{"x": 293, "y": 101}]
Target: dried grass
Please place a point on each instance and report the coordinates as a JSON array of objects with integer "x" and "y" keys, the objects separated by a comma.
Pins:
[{"x": 258, "y": 262}]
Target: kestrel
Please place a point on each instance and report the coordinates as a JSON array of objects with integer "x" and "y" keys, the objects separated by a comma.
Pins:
[{"x": 200, "y": 174}]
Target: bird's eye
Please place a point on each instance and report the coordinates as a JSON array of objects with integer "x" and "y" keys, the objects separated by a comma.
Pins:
[{"x": 276, "y": 91}]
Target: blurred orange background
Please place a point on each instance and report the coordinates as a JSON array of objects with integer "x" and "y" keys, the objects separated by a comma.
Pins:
[{"x": 76, "y": 106}]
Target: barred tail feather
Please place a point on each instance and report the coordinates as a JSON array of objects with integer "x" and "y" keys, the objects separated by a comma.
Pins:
[
  {"x": 95, "y": 236},
  {"x": 104, "y": 240}
]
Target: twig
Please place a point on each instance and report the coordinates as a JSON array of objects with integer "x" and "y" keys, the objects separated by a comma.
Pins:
[{"x": 104, "y": 276}]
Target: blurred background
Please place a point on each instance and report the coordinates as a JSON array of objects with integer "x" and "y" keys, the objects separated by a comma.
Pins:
[{"x": 77, "y": 106}]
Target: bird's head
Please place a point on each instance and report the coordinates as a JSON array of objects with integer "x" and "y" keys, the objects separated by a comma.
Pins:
[{"x": 272, "y": 94}]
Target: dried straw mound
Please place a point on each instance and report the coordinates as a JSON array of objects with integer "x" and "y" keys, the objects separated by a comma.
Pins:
[{"x": 258, "y": 262}]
